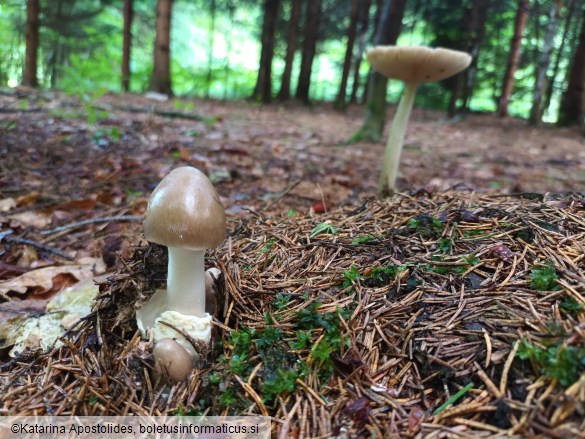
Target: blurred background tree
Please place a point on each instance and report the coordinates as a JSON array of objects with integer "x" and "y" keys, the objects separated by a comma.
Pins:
[{"x": 528, "y": 55}]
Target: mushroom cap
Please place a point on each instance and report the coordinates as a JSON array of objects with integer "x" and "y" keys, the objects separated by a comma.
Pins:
[
  {"x": 185, "y": 211},
  {"x": 173, "y": 358},
  {"x": 416, "y": 64}
]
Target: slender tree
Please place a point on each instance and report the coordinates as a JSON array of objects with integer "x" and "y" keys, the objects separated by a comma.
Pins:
[
  {"x": 362, "y": 32},
  {"x": 513, "y": 57},
  {"x": 29, "y": 77},
  {"x": 127, "y": 44},
  {"x": 543, "y": 62},
  {"x": 474, "y": 19},
  {"x": 389, "y": 27},
  {"x": 570, "y": 26},
  {"x": 161, "y": 74},
  {"x": 572, "y": 109},
  {"x": 351, "y": 34},
  {"x": 212, "y": 13},
  {"x": 311, "y": 34},
  {"x": 291, "y": 48},
  {"x": 263, "y": 88}
]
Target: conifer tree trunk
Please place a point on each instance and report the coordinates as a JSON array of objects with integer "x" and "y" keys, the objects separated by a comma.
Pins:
[
  {"x": 513, "y": 57},
  {"x": 474, "y": 20},
  {"x": 212, "y": 13},
  {"x": 568, "y": 27},
  {"x": 311, "y": 34},
  {"x": 263, "y": 88},
  {"x": 362, "y": 32},
  {"x": 291, "y": 48},
  {"x": 161, "y": 74},
  {"x": 29, "y": 77},
  {"x": 351, "y": 33},
  {"x": 389, "y": 27},
  {"x": 543, "y": 63},
  {"x": 480, "y": 18},
  {"x": 572, "y": 110},
  {"x": 127, "y": 44}
]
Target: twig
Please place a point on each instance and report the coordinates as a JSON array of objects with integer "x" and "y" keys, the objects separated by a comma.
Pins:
[
  {"x": 16, "y": 240},
  {"x": 105, "y": 219}
]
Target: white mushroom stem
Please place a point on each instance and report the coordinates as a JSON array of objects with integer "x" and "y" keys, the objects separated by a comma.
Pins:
[
  {"x": 186, "y": 281},
  {"x": 396, "y": 139}
]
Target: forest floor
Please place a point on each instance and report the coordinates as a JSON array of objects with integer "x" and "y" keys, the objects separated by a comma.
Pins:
[{"x": 487, "y": 205}]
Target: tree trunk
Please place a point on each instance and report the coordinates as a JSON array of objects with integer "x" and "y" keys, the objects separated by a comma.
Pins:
[
  {"x": 513, "y": 57},
  {"x": 469, "y": 73},
  {"x": 291, "y": 48},
  {"x": 311, "y": 33},
  {"x": 127, "y": 44},
  {"x": 29, "y": 77},
  {"x": 351, "y": 33},
  {"x": 560, "y": 53},
  {"x": 231, "y": 9},
  {"x": 572, "y": 111},
  {"x": 161, "y": 74},
  {"x": 263, "y": 88},
  {"x": 212, "y": 10},
  {"x": 474, "y": 20},
  {"x": 543, "y": 62},
  {"x": 362, "y": 33},
  {"x": 387, "y": 33}
]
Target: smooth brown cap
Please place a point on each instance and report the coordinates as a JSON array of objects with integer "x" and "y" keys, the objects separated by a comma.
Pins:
[
  {"x": 185, "y": 211},
  {"x": 173, "y": 358},
  {"x": 416, "y": 64}
]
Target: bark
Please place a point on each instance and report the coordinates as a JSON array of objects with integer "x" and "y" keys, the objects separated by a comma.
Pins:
[
  {"x": 474, "y": 20},
  {"x": 474, "y": 51},
  {"x": 161, "y": 74},
  {"x": 231, "y": 9},
  {"x": 560, "y": 53},
  {"x": 387, "y": 33},
  {"x": 212, "y": 10},
  {"x": 263, "y": 88},
  {"x": 311, "y": 34},
  {"x": 29, "y": 77},
  {"x": 127, "y": 44},
  {"x": 362, "y": 33},
  {"x": 513, "y": 57},
  {"x": 543, "y": 63},
  {"x": 572, "y": 110},
  {"x": 351, "y": 34},
  {"x": 291, "y": 48}
]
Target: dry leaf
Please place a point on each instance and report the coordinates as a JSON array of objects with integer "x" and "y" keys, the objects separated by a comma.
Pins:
[{"x": 49, "y": 279}]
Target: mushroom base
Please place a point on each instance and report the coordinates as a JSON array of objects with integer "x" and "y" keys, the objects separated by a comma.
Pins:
[{"x": 191, "y": 332}]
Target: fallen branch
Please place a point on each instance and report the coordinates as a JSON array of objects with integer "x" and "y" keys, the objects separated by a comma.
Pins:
[{"x": 105, "y": 219}]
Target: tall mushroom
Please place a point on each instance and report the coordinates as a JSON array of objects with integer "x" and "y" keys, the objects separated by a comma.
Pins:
[
  {"x": 413, "y": 65},
  {"x": 185, "y": 214}
]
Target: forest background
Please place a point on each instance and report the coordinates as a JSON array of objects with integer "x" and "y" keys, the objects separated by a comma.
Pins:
[{"x": 529, "y": 56}]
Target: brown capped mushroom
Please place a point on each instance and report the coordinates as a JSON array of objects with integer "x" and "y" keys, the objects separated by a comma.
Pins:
[
  {"x": 413, "y": 65},
  {"x": 173, "y": 359}
]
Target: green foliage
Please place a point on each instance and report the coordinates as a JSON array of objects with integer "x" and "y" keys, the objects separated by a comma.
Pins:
[
  {"x": 364, "y": 239},
  {"x": 427, "y": 226},
  {"x": 445, "y": 245},
  {"x": 281, "y": 301},
  {"x": 284, "y": 356},
  {"x": 544, "y": 278},
  {"x": 571, "y": 306},
  {"x": 559, "y": 361},
  {"x": 351, "y": 276},
  {"x": 323, "y": 228}
]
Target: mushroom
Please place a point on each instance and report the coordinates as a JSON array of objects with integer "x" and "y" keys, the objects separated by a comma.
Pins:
[
  {"x": 413, "y": 65},
  {"x": 185, "y": 214},
  {"x": 172, "y": 360}
]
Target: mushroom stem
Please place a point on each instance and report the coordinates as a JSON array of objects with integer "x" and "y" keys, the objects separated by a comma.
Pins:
[
  {"x": 393, "y": 150},
  {"x": 186, "y": 281}
]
